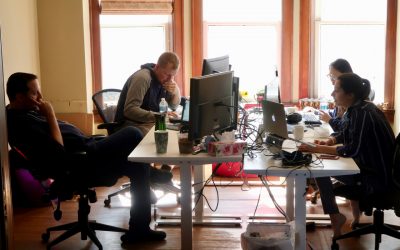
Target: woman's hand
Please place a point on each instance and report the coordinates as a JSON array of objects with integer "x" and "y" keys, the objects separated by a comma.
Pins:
[
  {"x": 307, "y": 148},
  {"x": 321, "y": 146},
  {"x": 328, "y": 142},
  {"x": 324, "y": 116}
]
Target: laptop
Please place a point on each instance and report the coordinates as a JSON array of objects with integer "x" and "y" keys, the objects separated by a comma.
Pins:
[
  {"x": 175, "y": 124},
  {"x": 274, "y": 118}
]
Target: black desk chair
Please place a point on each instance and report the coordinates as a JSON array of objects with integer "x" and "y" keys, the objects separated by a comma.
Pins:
[
  {"x": 375, "y": 205},
  {"x": 75, "y": 181}
]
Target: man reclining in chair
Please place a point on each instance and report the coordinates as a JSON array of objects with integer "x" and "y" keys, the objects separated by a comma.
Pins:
[{"x": 34, "y": 129}]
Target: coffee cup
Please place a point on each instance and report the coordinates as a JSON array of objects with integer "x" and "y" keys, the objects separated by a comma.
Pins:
[
  {"x": 298, "y": 132},
  {"x": 161, "y": 139},
  {"x": 185, "y": 146}
]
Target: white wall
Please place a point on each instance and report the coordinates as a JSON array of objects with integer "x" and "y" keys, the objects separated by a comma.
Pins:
[
  {"x": 65, "y": 54},
  {"x": 18, "y": 21}
]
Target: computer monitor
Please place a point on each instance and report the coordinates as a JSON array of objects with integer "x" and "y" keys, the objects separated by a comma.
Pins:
[
  {"x": 211, "y": 105},
  {"x": 215, "y": 65}
]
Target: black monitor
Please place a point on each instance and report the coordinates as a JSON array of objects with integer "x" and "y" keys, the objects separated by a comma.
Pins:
[
  {"x": 215, "y": 65},
  {"x": 211, "y": 105}
]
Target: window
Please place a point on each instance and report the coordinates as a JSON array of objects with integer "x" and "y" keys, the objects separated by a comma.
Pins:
[
  {"x": 357, "y": 36},
  {"x": 133, "y": 32},
  {"x": 250, "y": 33},
  {"x": 127, "y": 42}
]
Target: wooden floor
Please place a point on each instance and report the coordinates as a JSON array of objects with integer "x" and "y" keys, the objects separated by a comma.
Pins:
[{"x": 30, "y": 223}]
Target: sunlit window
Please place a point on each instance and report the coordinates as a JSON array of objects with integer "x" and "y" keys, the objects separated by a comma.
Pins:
[
  {"x": 357, "y": 36},
  {"x": 249, "y": 32},
  {"x": 127, "y": 42}
]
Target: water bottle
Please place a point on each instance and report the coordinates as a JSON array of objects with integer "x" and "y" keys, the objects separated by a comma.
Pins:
[
  {"x": 160, "y": 119},
  {"x": 323, "y": 105},
  {"x": 163, "y": 106}
]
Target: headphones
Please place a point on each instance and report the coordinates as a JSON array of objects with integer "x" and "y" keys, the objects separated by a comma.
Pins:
[
  {"x": 293, "y": 118},
  {"x": 296, "y": 158}
]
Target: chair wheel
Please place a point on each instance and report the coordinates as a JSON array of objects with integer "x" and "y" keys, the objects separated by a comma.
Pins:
[
  {"x": 45, "y": 237},
  {"x": 334, "y": 246},
  {"x": 107, "y": 202},
  {"x": 57, "y": 215}
]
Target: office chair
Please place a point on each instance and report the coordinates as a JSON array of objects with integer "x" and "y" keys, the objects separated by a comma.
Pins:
[
  {"x": 106, "y": 102},
  {"x": 379, "y": 202},
  {"x": 66, "y": 184}
]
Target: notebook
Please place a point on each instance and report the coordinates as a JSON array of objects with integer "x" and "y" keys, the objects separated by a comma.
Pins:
[{"x": 274, "y": 118}]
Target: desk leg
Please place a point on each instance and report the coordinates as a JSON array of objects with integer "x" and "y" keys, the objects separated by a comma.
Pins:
[
  {"x": 300, "y": 213},
  {"x": 198, "y": 185},
  {"x": 186, "y": 205},
  {"x": 290, "y": 197}
]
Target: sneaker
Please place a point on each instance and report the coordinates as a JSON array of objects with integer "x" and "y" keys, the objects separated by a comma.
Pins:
[
  {"x": 150, "y": 235},
  {"x": 160, "y": 176},
  {"x": 166, "y": 167}
]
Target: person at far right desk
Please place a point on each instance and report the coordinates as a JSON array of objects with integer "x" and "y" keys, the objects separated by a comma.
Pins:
[
  {"x": 336, "y": 68},
  {"x": 366, "y": 136}
]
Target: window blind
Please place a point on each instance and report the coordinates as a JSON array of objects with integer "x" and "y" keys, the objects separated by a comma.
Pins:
[{"x": 136, "y": 6}]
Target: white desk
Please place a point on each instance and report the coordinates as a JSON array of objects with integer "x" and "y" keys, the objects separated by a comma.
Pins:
[
  {"x": 296, "y": 182},
  {"x": 146, "y": 152}
]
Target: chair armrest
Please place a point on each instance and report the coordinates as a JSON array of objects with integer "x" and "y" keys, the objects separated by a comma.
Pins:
[{"x": 108, "y": 125}]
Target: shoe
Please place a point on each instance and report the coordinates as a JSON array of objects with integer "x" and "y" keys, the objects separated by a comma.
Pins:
[
  {"x": 160, "y": 176},
  {"x": 150, "y": 235},
  {"x": 166, "y": 167}
]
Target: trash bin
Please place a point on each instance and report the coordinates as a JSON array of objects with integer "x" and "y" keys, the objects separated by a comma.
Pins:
[{"x": 268, "y": 236}]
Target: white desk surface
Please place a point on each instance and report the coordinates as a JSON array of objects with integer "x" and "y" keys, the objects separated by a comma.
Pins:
[{"x": 146, "y": 152}]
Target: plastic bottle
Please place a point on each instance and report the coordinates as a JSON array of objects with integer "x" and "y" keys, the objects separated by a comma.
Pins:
[
  {"x": 163, "y": 106},
  {"x": 160, "y": 121},
  {"x": 323, "y": 104}
]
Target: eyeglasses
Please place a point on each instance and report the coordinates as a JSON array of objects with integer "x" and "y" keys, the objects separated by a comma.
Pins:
[{"x": 332, "y": 77}]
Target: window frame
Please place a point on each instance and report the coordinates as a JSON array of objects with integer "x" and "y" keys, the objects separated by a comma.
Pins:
[
  {"x": 286, "y": 45},
  {"x": 177, "y": 34},
  {"x": 306, "y": 76}
]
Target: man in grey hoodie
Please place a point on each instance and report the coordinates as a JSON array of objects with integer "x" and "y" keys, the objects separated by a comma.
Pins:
[{"x": 142, "y": 93}]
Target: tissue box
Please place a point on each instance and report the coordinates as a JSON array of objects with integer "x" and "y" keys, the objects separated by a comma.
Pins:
[{"x": 226, "y": 148}]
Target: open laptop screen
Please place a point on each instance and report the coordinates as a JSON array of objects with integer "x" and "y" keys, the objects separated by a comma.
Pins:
[
  {"x": 274, "y": 118},
  {"x": 185, "y": 112}
]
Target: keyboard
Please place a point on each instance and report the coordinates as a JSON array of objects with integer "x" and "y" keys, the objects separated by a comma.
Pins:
[
  {"x": 311, "y": 118},
  {"x": 173, "y": 126}
]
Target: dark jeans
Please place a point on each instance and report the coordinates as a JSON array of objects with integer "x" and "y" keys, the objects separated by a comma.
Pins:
[
  {"x": 109, "y": 155},
  {"x": 326, "y": 191}
]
